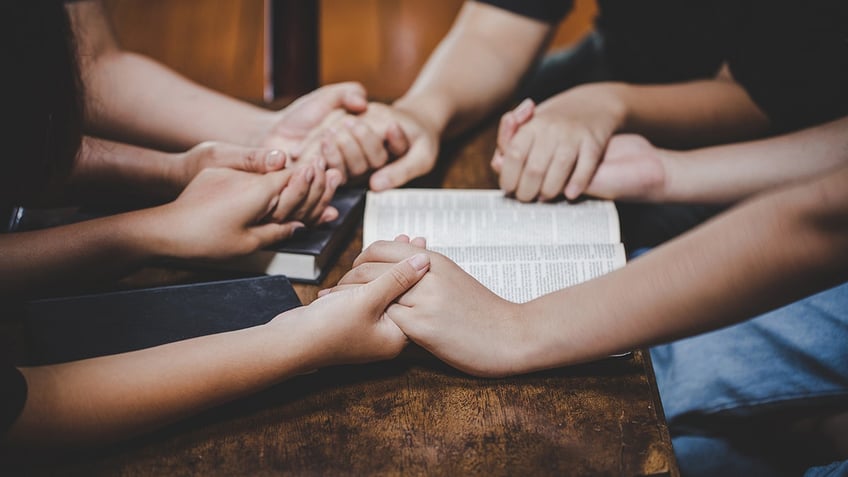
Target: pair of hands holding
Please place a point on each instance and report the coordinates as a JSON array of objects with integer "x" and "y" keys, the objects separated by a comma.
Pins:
[
  {"x": 566, "y": 147},
  {"x": 385, "y": 301}
]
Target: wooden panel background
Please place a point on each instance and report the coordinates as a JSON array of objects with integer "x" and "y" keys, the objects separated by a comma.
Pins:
[{"x": 381, "y": 43}]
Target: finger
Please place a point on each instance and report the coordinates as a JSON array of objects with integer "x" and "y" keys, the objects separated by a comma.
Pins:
[
  {"x": 524, "y": 111},
  {"x": 317, "y": 191},
  {"x": 512, "y": 120},
  {"x": 587, "y": 164},
  {"x": 497, "y": 162},
  {"x": 337, "y": 288},
  {"x": 420, "y": 242},
  {"x": 291, "y": 194},
  {"x": 364, "y": 273},
  {"x": 260, "y": 160},
  {"x": 386, "y": 251},
  {"x": 403, "y": 238},
  {"x": 395, "y": 174},
  {"x": 351, "y": 151},
  {"x": 396, "y": 141},
  {"x": 538, "y": 162},
  {"x": 560, "y": 169},
  {"x": 397, "y": 280},
  {"x": 270, "y": 233},
  {"x": 514, "y": 160},
  {"x": 370, "y": 143},
  {"x": 354, "y": 98},
  {"x": 331, "y": 153},
  {"x": 320, "y": 213}
]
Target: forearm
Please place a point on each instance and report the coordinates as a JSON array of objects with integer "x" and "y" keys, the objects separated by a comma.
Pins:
[
  {"x": 475, "y": 68},
  {"x": 106, "y": 169},
  {"x": 765, "y": 253},
  {"x": 134, "y": 99},
  {"x": 109, "y": 398},
  {"x": 697, "y": 113},
  {"x": 84, "y": 251},
  {"x": 725, "y": 174}
]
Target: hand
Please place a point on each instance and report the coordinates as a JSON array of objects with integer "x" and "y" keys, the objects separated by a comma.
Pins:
[
  {"x": 291, "y": 125},
  {"x": 225, "y": 213},
  {"x": 215, "y": 154},
  {"x": 416, "y": 143},
  {"x": 559, "y": 146},
  {"x": 353, "y": 144},
  {"x": 448, "y": 312},
  {"x": 352, "y": 325},
  {"x": 632, "y": 169}
]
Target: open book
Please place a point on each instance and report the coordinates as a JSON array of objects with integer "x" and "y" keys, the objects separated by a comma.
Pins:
[{"x": 519, "y": 251}]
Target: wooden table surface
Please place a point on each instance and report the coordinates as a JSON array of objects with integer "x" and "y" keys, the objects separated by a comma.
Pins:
[{"x": 414, "y": 415}]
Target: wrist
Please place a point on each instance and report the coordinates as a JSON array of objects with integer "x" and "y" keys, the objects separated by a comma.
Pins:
[
  {"x": 433, "y": 111},
  {"x": 610, "y": 97},
  {"x": 671, "y": 190}
]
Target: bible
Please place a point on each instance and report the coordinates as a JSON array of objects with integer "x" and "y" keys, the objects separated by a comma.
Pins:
[
  {"x": 518, "y": 250},
  {"x": 80, "y": 327}
]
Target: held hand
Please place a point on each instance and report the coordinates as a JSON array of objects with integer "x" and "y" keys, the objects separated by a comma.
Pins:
[
  {"x": 448, "y": 312},
  {"x": 291, "y": 125},
  {"x": 355, "y": 145},
  {"x": 224, "y": 213},
  {"x": 412, "y": 140},
  {"x": 217, "y": 154},
  {"x": 558, "y": 150},
  {"x": 352, "y": 325},
  {"x": 632, "y": 169}
]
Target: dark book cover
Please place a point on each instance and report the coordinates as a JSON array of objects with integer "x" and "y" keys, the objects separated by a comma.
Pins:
[
  {"x": 317, "y": 240},
  {"x": 73, "y": 328}
]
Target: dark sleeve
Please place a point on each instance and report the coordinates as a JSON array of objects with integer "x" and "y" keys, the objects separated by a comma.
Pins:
[
  {"x": 793, "y": 61},
  {"x": 12, "y": 397},
  {"x": 551, "y": 11}
]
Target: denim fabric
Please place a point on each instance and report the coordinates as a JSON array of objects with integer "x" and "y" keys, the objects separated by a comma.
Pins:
[{"x": 726, "y": 392}]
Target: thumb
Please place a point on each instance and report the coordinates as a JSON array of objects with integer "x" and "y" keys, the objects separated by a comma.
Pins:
[
  {"x": 271, "y": 232},
  {"x": 397, "y": 280},
  {"x": 413, "y": 164},
  {"x": 350, "y": 96}
]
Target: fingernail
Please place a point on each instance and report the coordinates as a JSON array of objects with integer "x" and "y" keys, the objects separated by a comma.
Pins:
[
  {"x": 524, "y": 107},
  {"x": 419, "y": 261},
  {"x": 275, "y": 159},
  {"x": 379, "y": 183}
]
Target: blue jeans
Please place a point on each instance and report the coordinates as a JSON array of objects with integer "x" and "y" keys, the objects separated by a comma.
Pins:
[{"x": 731, "y": 396}]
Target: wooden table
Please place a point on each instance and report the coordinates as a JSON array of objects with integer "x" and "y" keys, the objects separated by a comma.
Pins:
[{"x": 414, "y": 415}]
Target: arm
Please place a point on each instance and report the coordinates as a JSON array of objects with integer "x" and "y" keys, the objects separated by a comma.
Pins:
[
  {"x": 92, "y": 401},
  {"x": 132, "y": 98},
  {"x": 633, "y": 169},
  {"x": 474, "y": 69},
  {"x": 556, "y": 150},
  {"x": 109, "y": 169},
  {"x": 246, "y": 211},
  {"x": 765, "y": 253}
]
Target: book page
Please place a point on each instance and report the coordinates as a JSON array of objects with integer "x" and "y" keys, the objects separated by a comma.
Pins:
[
  {"x": 524, "y": 272},
  {"x": 461, "y": 217}
]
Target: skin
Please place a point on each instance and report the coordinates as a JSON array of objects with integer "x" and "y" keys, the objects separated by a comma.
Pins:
[
  {"x": 556, "y": 148},
  {"x": 108, "y": 171},
  {"x": 91, "y": 402},
  {"x": 635, "y": 170},
  {"x": 243, "y": 209},
  {"x": 770, "y": 250},
  {"x": 131, "y": 98}
]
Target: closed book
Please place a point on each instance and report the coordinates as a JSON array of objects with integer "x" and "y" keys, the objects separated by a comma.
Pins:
[
  {"x": 308, "y": 255},
  {"x": 73, "y": 328}
]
